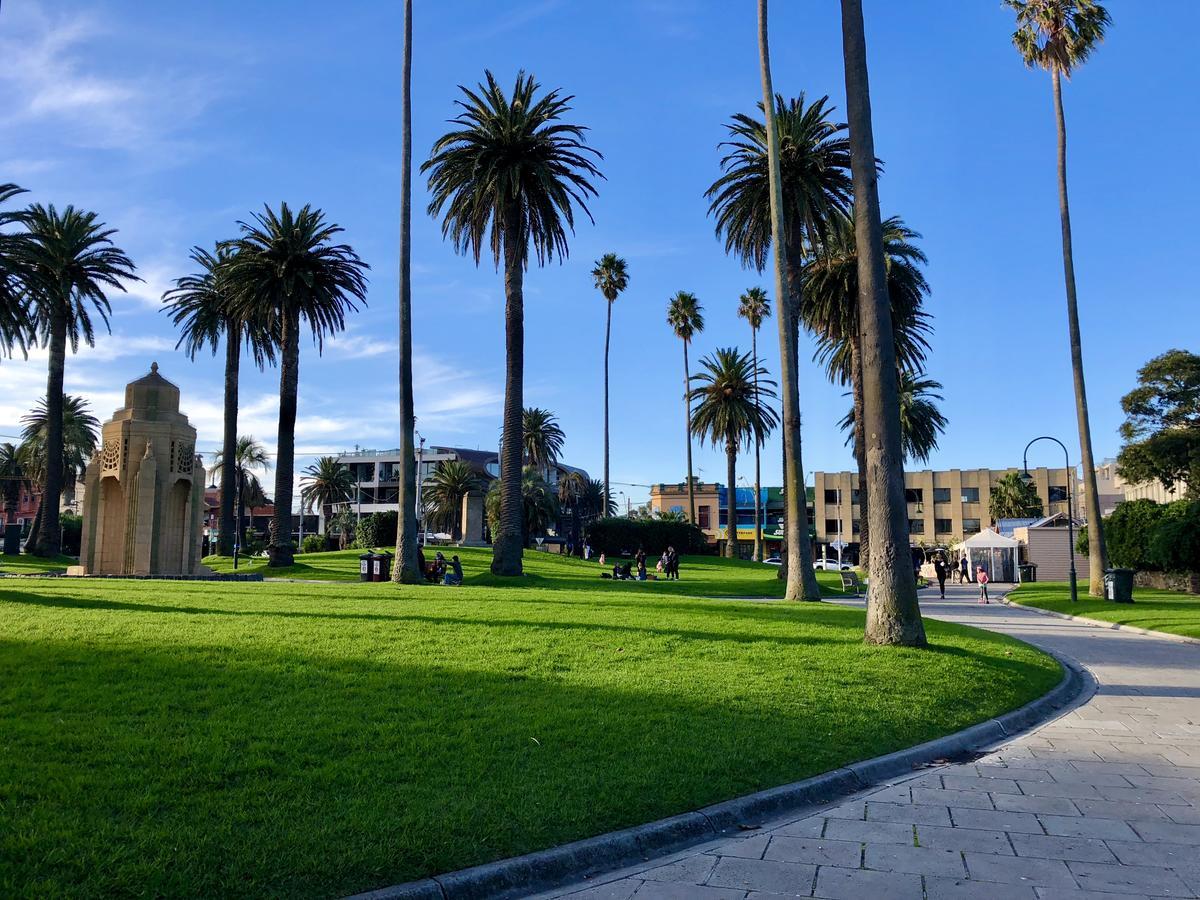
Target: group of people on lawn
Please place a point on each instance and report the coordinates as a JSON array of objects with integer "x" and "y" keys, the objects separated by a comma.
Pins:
[
  {"x": 667, "y": 566},
  {"x": 440, "y": 571}
]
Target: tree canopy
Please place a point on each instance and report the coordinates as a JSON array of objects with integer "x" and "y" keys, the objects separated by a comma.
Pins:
[{"x": 1162, "y": 423}]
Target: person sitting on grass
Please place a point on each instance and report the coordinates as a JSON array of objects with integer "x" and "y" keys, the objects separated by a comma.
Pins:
[
  {"x": 455, "y": 575},
  {"x": 641, "y": 575}
]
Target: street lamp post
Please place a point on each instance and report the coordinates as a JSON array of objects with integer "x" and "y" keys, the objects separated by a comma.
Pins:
[{"x": 1027, "y": 479}]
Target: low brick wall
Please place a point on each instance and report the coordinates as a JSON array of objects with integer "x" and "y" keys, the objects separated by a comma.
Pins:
[{"x": 1188, "y": 582}]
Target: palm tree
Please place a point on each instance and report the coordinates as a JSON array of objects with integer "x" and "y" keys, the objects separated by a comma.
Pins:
[
  {"x": 14, "y": 316},
  {"x": 572, "y": 485},
  {"x": 829, "y": 308},
  {"x": 511, "y": 174},
  {"x": 539, "y": 505},
  {"x": 1012, "y": 498},
  {"x": 406, "y": 569},
  {"x": 685, "y": 315},
  {"x": 323, "y": 485},
  {"x": 541, "y": 439},
  {"x": 893, "y": 615},
  {"x": 443, "y": 494},
  {"x": 921, "y": 422},
  {"x": 728, "y": 393},
  {"x": 249, "y": 458},
  {"x": 286, "y": 270},
  {"x": 79, "y": 441},
  {"x": 593, "y": 504},
  {"x": 199, "y": 307},
  {"x": 1059, "y": 35},
  {"x": 68, "y": 263},
  {"x": 754, "y": 306},
  {"x": 612, "y": 277}
]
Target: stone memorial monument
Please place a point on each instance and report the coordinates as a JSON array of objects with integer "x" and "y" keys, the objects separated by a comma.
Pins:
[{"x": 144, "y": 503}]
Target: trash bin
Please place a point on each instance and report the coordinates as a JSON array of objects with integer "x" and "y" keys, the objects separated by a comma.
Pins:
[
  {"x": 1118, "y": 585},
  {"x": 365, "y": 564},
  {"x": 1028, "y": 572},
  {"x": 381, "y": 567}
]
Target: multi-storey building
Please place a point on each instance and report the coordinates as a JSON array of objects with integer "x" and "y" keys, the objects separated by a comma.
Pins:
[{"x": 712, "y": 511}]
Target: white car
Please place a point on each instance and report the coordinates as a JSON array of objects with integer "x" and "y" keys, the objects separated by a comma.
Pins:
[
  {"x": 831, "y": 565},
  {"x": 773, "y": 561}
]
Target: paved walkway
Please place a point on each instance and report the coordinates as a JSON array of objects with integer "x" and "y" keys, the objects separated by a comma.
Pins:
[{"x": 1101, "y": 803}]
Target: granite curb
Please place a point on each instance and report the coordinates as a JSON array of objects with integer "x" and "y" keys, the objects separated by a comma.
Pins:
[
  {"x": 542, "y": 870},
  {"x": 1100, "y": 623}
]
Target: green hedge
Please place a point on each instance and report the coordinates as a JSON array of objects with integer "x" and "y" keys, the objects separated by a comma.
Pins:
[
  {"x": 617, "y": 536},
  {"x": 1149, "y": 536}
]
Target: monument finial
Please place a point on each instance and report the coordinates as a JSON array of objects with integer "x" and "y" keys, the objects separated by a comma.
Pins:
[{"x": 153, "y": 368}]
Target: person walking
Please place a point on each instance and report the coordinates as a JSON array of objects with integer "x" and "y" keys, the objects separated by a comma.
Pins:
[
  {"x": 963, "y": 569},
  {"x": 981, "y": 576},
  {"x": 939, "y": 567},
  {"x": 673, "y": 562}
]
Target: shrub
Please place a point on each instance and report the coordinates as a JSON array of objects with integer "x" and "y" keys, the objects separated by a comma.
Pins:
[
  {"x": 1127, "y": 533},
  {"x": 72, "y": 533},
  {"x": 313, "y": 543},
  {"x": 365, "y": 535},
  {"x": 1175, "y": 543},
  {"x": 617, "y": 536},
  {"x": 385, "y": 528}
]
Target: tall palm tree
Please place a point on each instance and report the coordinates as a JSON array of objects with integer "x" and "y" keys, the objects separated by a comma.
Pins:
[
  {"x": 611, "y": 275},
  {"x": 323, "y": 485},
  {"x": 542, "y": 439},
  {"x": 1059, "y": 35},
  {"x": 80, "y": 431},
  {"x": 728, "y": 393},
  {"x": 406, "y": 569},
  {"x": 14, "y": 316},
  {"x": 539, "y": 505},
  {"x": 829, "y": 308},
  {"x": 443, "y": 494},
  {"x": 572, "y": 486},
  {"x": 511, "y": 174},
  {"x": 893, "y": 615},
  {"x": 593, "y": 504},
  {"x": 69, "y": 264},
  {"x": 286, "y": 271},
  {"x": 921, "y": 422},
  {"x": 685, "y": 315},
  {"x": 754, "y": 306},
  {"x": 199, "y": 307},
  {"x": 249, "y": 458}
]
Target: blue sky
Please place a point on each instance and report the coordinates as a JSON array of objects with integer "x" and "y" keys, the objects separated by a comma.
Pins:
[{"x": 175, "y": 120}]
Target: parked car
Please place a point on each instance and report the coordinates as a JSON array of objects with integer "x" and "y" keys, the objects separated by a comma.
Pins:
[
  {"x": 831, "y": 565},
  {"x": 773, "y": 561}
]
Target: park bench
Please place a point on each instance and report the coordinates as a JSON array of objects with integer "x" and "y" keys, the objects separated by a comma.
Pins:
[{"x": 851, "y": 584}]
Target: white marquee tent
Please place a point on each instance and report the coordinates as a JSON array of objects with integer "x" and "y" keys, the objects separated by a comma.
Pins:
[{"x": 995, "y": 552}]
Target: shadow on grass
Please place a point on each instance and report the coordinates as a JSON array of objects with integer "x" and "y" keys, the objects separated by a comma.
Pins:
[{"x": 223, "y": 771}]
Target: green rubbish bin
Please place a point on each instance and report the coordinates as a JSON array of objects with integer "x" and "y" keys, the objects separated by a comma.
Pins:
[
  {"x": 366, "y": 563},
  {"x": 1118, "y": 585},
  {"x": 1028, "y": 572}
]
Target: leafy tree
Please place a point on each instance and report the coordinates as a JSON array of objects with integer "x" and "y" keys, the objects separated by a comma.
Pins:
[
  {"x": 80, "y": 431},
  {"x": 249, "y": 458},
  {"x": 68, "y": 265},
  {"x": 754, "y": 306},
  {"x": 539, "y": 505},
  {"x": 611, "y": 275},
  {"x": 15, "y": 327},
  {"x": 1059, "y": 36},
  {"x": 893, "y": 614},
  {"x": 199, "y": 307},
  {"x": 1162, "y": 423},
  {"x": 728, "y": 394},
  {"x": 324, "y": 485},
  {"x": 1175, "y": 543},
  {"x": 443, "y": 495},
  {"x": 511, "y": 174},
  {"x": 921, "y": 422},
  {"x": 685, "y": 315},
  {"x": 285, "y": 272},
  {"x": 542, "y": 439},
  {"x": 1013, "y": 498}
]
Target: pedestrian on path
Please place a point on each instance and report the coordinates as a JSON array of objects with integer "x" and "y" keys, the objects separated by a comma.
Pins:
[
  {"x": 981, "y": 576},
  {"x": 939, "y": 567},
  {"x": 963, "y": 569}
]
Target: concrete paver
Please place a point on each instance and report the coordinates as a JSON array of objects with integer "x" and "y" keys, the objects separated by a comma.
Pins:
[{"x": 1102, "y": 803}]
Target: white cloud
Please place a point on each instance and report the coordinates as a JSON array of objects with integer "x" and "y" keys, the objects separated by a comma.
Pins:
[{"x": 353, "y": 344}]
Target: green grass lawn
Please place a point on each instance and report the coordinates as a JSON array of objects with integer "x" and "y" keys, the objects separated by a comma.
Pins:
[
  {"x": 1169, "y": 611},
  {"x": 25, "y": 564},
  {"x": 311, "y": 740}
]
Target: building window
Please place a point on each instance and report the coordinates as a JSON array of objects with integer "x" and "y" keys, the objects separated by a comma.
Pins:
[
  {"x": 916, "y": 526},
  {"x": 855, "y": 526},
  {"x": 831, "y": 526},
  {"x": 941, "y": 495},
  {"x": 970, "y": 495},
  {"x": 914, "y": 495},
  {"x": 831, "y": 496},
  {"x": 970, "y": 526},
  {"x": 705, "y": 516},
  {"x": 854, "y": 494},
  {"x": 1058, "y": 493},
  {"x": 943, "y": 526}
]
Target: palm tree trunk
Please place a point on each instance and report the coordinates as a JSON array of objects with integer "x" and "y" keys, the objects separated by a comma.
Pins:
[
  {"x": 280, "y": 551},
  {"x": 49, "y": 538},
  {"x": 687, "y": 412},
  {"x": 893, "y": 614},
  {"x": 860, "y": 457},
  {"x": 731, "y": 529},
  {"x": 509, "y": 544},
  {"x": 801, "y": 580},
  {"x": 233, "y": 354},
  {"x": 758, "y": 542},
  {"x": 1097, "y": 552},
  {"x": 36, "y": 527},
  {"x": 607, "y": 336},
  {"x": 405, "y": 569}
]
